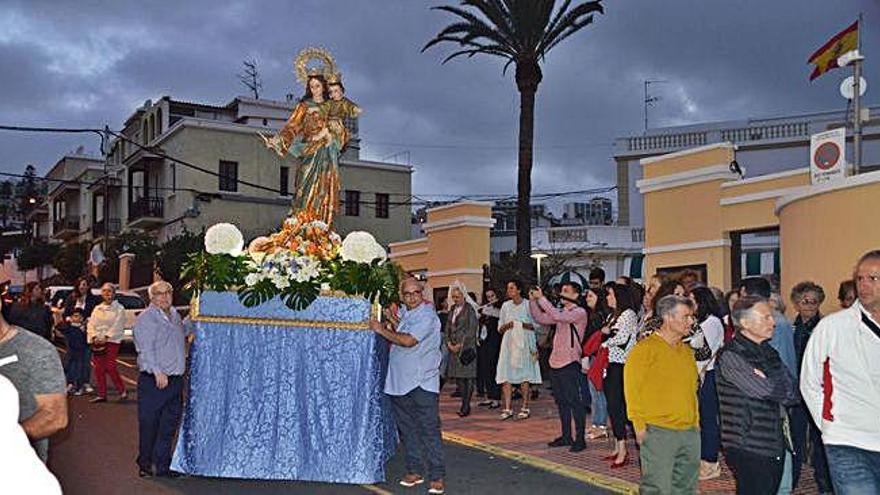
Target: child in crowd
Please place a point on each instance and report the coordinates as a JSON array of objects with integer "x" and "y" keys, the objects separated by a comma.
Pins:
[{"x": 74, "y": 332}]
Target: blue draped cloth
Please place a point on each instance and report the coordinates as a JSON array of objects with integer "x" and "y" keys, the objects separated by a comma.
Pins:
[{"x": 270, "y": 401}]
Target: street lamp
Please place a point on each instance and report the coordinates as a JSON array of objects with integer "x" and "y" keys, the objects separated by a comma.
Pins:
[{"x": 538, "y": 257}]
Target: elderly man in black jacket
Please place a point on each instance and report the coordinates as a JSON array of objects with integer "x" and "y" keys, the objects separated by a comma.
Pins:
[{"x": 754, "y": 386}]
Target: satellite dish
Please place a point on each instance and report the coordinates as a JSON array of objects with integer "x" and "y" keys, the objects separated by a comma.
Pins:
[
  {"x": 848, "y": 58},
  {"x": 846, "y": 87}
]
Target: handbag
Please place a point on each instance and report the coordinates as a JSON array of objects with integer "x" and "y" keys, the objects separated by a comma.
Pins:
[
  {"x": 596, "y": 373},
  {"x": 467, "y": 356},
  {"x": 704, "y": 352}
]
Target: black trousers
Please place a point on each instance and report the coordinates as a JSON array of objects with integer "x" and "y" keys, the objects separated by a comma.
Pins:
[
  {"x": 755, "y": 474},
  {"x": 159, "y": 414},
  {"x": 613, "y": 387},
  {"x": 570, "y": 400},
  {"x": 466, "y": 385},
  {"x": 487, "y": 366},
  {"x": 802, "y": 429}
]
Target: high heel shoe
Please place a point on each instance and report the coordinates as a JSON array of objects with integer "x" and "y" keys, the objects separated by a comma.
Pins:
[
  {"x": 624, "y": 462},
  {"x": 610, "y": 457}
]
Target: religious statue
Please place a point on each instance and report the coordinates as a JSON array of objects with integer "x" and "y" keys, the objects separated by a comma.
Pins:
[{"x": 316, "y": 133}]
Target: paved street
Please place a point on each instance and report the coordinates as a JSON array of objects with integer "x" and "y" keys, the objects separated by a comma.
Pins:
[{"x": 96, "y": 454}]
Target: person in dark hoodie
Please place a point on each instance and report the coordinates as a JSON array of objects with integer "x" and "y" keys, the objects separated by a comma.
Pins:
[{"x": 807, "y": 297}]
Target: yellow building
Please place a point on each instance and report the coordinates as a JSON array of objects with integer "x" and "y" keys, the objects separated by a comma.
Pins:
[
  {"x": 697, "y": 210},
  {"x": 455, "y": 246}
]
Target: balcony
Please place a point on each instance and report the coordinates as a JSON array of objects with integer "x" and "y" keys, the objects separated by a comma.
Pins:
[
  {"x": 65, "y": 228},
  {"x": 104, "y": 227},
  {"x": 146, "y": 213}
]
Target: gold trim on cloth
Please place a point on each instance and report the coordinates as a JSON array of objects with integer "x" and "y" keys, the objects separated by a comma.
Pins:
[{"x": 195, "y": 315}]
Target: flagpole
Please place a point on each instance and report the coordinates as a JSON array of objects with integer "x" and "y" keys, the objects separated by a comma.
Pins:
[{"x": 857, "y": 104}]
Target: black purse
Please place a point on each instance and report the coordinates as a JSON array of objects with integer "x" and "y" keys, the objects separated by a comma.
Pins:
[
  {"x": 705, "y": 351},
  {"x": 467, "y": 356}
]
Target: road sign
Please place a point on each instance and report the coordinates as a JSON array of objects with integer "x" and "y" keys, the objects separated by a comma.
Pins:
[{"x": 828, "y": 156}]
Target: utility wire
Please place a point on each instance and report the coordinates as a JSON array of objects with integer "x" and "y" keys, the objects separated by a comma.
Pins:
[{"x": 158, "y": 152}]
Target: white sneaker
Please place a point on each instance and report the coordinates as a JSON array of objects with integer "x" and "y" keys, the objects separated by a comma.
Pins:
[{"x": 89, "y": 388}]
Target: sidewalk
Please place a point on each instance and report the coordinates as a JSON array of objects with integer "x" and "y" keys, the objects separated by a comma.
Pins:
[{"x": 526, "y": 441}]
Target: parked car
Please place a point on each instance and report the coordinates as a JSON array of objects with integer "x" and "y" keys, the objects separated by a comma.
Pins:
[{"x": 133, "y": 304}]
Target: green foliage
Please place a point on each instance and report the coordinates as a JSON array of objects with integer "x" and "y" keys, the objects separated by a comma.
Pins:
[
  {"x": 222, "y": 272},
  {"x": 38, "y": 254},
  {"x": 172, "y": 256},
  {"x": 374, "y": 280},
  {"x": 143, "y": 246},
  {"x": 214, "y": 272},
  {"x": 70, "y": 260}
]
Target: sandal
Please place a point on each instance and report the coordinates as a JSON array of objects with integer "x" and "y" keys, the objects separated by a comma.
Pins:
[
  {"x": 523, "y": 414},
  {"x": 506, "y": 414}
]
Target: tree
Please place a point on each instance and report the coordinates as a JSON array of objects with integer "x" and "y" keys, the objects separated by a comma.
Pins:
[
  {"x": 142, "y": 246},
  {"x": 70, "y": 260},
  {"x": 29, "y": 190},
  {"x": 172, "y": 255},
  {"x": 37, "y": 254},
  {"x": 251, "y": 77},
  {"x": 521, "y": 32}
]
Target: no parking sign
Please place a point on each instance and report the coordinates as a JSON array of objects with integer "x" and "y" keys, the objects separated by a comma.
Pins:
[{"x": 827, "y": 156}]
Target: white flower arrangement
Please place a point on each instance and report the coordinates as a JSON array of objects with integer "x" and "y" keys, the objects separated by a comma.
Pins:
[
  {"x": 361, "y": 247},
  {"x": 224, "y": 238}
]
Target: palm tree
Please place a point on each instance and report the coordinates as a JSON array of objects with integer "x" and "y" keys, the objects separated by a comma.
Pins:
[{"x": 521, "y": 32}]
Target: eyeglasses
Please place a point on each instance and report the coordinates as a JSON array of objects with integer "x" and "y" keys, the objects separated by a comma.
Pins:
[
  {"x": 412, "y": 293},
  {"x": 809, "y": 302}
]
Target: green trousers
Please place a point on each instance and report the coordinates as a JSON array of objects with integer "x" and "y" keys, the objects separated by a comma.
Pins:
[{"x": 670, "y": 461}]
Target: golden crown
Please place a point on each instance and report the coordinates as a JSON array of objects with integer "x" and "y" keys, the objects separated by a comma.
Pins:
[{"x": 326, "y": 65}]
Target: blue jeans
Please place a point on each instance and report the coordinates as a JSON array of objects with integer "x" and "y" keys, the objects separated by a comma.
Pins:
[
  {"x": 159, "y": 413},
  {"x": 786, "y": 482},
  {"x": 418, "y": 419},
  {"x": 710, "y": 433},
  {"x": 854, "y": 471},
  {"x": 599, "y": 406}
]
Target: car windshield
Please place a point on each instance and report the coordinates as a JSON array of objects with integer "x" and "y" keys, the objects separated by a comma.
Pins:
[{"x": 130, "y": 302}]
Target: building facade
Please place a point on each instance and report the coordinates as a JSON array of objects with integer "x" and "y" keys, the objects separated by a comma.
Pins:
[
  {"x": 220, "y": 172},
  {"x": 760, "y": 147}
]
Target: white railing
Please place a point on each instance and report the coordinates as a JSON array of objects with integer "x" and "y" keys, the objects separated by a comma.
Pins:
[
  {"x": 667, "y": 141},
  {"x": 772, "y": 131}
]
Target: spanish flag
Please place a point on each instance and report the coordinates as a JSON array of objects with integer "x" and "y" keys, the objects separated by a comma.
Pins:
[{"x": 825, "y": 58}]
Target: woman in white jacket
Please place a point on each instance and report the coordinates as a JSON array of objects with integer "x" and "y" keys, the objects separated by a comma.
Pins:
[{"x": 105, "y": 331}]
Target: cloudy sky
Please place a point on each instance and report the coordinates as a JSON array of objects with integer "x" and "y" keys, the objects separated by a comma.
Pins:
[{"x": 87, "y": 63}]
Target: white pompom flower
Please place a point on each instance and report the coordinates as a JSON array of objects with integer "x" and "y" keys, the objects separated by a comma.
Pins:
[
  {"x": 252, "y": 279},
  {"x": 224, "y": 238},
  {"x": 361, "y": 247}
]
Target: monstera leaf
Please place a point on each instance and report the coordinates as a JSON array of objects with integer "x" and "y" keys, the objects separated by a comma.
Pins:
[{"x": 257, "y": 294}]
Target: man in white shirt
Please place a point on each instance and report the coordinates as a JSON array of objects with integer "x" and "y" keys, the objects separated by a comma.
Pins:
[{"x": 840, "y": 383}]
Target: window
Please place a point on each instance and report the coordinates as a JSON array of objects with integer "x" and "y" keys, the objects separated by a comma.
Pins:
[
  {"x": 352, "y": 203},
  {"x": 228, "y": 176},
  {"x": 381, "y": 205},
  {"x": 284, "y": 188}
]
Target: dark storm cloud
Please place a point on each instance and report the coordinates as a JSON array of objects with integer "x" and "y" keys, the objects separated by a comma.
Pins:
[{"x": 90, "y": 63}]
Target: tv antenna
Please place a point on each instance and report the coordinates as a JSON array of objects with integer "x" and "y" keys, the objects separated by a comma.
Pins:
[{"x": 650, "y": 100}]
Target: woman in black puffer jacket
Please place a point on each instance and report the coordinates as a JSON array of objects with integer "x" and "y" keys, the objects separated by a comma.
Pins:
[{"x": 754, "y": 386}]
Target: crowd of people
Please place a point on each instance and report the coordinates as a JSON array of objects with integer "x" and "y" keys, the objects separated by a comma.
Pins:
[
  {"x": 687, "y": 370},
  {"x": 32, "y": 373}
]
